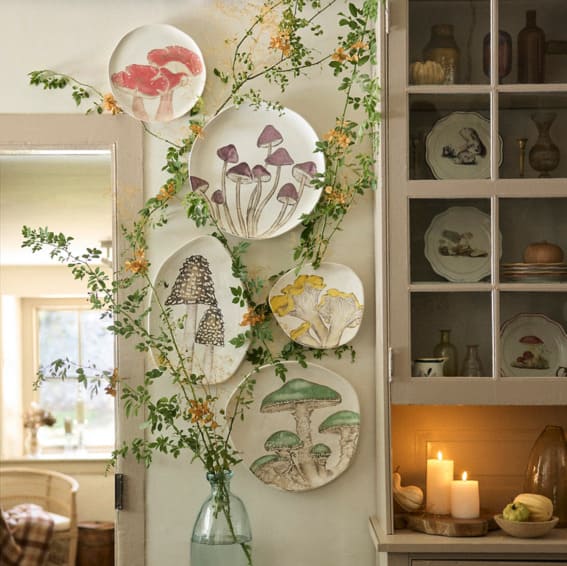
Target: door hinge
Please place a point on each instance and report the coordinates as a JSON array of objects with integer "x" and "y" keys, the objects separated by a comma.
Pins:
[
  {"x": 119, "y": 492},
  {"x": 390, "y": 364}
]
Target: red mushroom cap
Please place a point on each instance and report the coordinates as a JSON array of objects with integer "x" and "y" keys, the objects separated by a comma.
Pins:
[
  {"x": 306, "y": 171},
  {"x": 144, "y": 80},
  {"x": 228, "y": 153},
  {"x": 218, "y": 197},
  {"x": 176, "y": 58},
  {"x": 198, "y": 184},
  {"x": 261, "y": 173},
  {"x": 240, "y": 172},
  {"x": 530, "y": 340},
  {"x": 288, "y": 194}
]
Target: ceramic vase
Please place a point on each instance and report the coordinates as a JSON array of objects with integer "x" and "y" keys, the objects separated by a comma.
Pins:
[
  {"x": 544, "y": 154},
  {"x": 443, "y": 49},
  {"x": 504, "y": 54},
  {"x": 546, "y": 472},
  {"x": 222, "y": 533}
]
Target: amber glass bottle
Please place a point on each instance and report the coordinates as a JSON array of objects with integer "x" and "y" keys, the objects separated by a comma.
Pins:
[{"x": 531, "y": 51}]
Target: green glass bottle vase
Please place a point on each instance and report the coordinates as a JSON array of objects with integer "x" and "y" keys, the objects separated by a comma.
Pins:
[
  {"x": 222, "y": 533},
  {"x": 445, "y": 349}
]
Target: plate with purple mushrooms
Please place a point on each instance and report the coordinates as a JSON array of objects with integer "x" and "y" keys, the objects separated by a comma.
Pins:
[{"x": 256, "y": 169}]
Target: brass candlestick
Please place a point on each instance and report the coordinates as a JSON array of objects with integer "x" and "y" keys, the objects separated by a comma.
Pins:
[{"x": 522, "y": 145}]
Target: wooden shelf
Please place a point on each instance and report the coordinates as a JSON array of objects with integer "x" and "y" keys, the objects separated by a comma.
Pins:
[{"x": 553, "y": 545}]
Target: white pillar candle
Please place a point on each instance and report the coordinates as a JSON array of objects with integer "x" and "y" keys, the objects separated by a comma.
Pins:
[
  {"x": 438, "y": 485},
  {"x": 464, "y": 498}
]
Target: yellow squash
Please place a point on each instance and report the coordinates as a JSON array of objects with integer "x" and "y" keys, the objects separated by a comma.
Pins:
[
  {"x": 540, "y": 506},
  {"x": 410, "y": 497}
]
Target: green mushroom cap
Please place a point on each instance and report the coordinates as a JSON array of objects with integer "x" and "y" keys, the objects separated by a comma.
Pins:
[
  {"x": 338, "y": 420},
  {"x": 283, "y": 439},
  {"x": 262, "y": 461},
  {"x": 299, "y": 391},
  {"x": 320, "y": 450}
]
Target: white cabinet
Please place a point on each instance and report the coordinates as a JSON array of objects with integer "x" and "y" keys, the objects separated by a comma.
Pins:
[{"x": 472, "y": 177}]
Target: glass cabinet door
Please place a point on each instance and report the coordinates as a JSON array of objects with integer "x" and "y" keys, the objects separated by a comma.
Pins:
[{"x": 481, "y": 118}]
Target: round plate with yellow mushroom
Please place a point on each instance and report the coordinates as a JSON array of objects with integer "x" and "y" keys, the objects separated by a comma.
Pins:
[{"x": 319, "y": 308}]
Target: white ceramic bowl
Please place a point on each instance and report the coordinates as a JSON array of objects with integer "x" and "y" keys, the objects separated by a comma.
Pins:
[{"x": 525, "y": 529}]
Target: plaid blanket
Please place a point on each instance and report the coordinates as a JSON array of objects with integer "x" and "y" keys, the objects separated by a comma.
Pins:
[{"x": 25, "y": 536}]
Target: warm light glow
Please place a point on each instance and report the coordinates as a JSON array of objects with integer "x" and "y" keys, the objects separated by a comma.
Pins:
[
  {"x": 464, "y": 476},
  {"x": 440, "y": 455}
]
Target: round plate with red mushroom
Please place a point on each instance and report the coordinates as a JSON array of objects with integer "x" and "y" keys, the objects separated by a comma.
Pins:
[
  {"x": 299, "y": 434},
  {"x": 157, "y": 73},
  {"x": 256, "y": 170},
  {"x": 532, "y": 345}
]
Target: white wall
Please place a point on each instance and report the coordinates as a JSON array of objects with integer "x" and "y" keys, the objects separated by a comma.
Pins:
[{"x": 327, "y": 526}]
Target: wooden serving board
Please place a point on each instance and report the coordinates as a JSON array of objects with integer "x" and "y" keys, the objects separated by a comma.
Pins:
[{"x": 447, "y": 526}]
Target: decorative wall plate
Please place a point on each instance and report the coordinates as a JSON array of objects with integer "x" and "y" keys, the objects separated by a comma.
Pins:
[
  {"x": 458, "y": 147},
  {"x": 195, "y": 284},
  {"x": 319, "y": 308},
  {"x": 301, "y": 434},
  {"x": 157, "y": 73},
  {"x": 457, "y": 244},
  {"x": 532, "y": 345},
  {"x": 255, "y": 168}
]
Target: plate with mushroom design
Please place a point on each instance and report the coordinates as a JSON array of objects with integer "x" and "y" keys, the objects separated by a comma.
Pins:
[
  {"x": 532, "y": 345},
  {"x": 256, "y": 167},
  {"x": 458, "y": 147},
  {"x": 192, "y": 287},
  {"x": 319, "y": 308},
  {"x": 299, "y": 434},
  {"x": 157, "y": 73}
]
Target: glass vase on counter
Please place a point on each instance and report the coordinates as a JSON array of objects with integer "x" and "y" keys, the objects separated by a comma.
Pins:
[{"x": 472, "y": 366}]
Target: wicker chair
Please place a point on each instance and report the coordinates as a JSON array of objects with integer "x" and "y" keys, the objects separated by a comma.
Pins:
[{"x": 56, "y": 494}]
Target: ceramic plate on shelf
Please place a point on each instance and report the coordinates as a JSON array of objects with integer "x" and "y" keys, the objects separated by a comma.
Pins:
[
  {"x": 457, "y": 244},
  {"x": 301, "y": 434},
  {"x": 532, "y": 345},
  {"x": 157, "y": 73},
  {"x": 255, "y": 168},
  {"x": 195, "y": 284},
  {"x": 319, "y": 308},
  {"x": 458, "y": 147}
]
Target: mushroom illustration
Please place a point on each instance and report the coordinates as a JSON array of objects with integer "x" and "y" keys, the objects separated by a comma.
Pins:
[
  {"x": 261, "y": 175},
  {"x": 240, "y": 174},
  {"x": 210, "y": 333},
  {"x": 283, "y": 443},
  {"x": 141, "y": 81},
  {"x": 263, "y": 468},
  {"x": 339, "y": 311},
  {"x": 288, "y": 196},
  {"x": 280, "y": 158},
  {"x": 303, "y": 173},
  {"x": 302, "y": 335},
  {"x": 532, "y": 357},
  {"x": 218, "y": 200},
  {"x": 228, "y": 154},
  {"x": 269, "y": 138},
  {"x": 320, "y": 454},
  {"x": 194, "y": 286},
  {"x": 200, "y": 185},
  {"x": 301, "y": 398},
  {"x": 301, "y": 300},
  {"x": 347, "y": 425},
  {"x": 174, "y": 61}
]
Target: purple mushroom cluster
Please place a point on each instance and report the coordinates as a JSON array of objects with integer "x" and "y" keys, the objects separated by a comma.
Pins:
[{"x": 253, "y": 188}]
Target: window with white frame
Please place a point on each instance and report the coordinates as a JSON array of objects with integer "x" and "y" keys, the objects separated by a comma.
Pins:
[{"x": 68, "y": 329}]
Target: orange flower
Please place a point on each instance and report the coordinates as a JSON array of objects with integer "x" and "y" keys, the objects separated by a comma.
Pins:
[
  {"x": 166, "y": 192},
  {"x": 196, "y": 130},
  {"x": 338, "y": 138},
  {"x": 110, "y": 105},
  {"x": 359, "y": 45},
  {"x": 110, "y": 389},
  {"x": 139, "y": 264},
  {"x": 340, "y": 55},
  {"x": 250, "y": 318},
  {"x": 281, "y": 42},
  {"x": 335, "y": 195},
  {"x": 200, "y": 413}
]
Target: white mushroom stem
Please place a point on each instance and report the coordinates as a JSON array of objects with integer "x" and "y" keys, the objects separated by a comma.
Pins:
[
  {"x": 164, "y": 112},
  {"x": 299, "y": 195},
  {"x": 278, "y": 221},
  {"x": 241, "y": 222},
  {"x": 190, "y": 329},
  {"x": 138, "y": 108},
  {"x": 266, "y": 199},
  {"x": 302, "y": 415},
  {"x": 252, "y": 204},
  {"x": 231, "y": 225}
]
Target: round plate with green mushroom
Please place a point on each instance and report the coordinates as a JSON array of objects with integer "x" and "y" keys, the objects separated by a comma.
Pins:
[{"x": 301, "y": 434}]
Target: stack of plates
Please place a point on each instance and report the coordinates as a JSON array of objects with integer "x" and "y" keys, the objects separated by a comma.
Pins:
[{"x": 533, "y": 272}]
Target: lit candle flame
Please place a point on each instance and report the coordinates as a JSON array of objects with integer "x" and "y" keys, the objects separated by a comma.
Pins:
[
  {"x": 440, "y": 455},
  {"x": 464, "y": 476}
]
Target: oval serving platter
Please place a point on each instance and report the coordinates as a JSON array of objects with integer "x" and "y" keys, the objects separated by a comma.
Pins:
[
  {"x": 319, "y": 308},
  {"x": 301, "y": 434},
  {"x": 194, "y": 283}
]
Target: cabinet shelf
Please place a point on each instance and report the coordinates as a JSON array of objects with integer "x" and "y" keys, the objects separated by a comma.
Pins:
[{"x": 479, "y": 391}]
